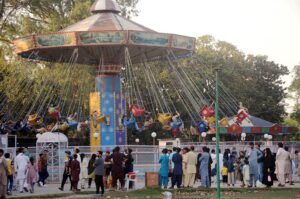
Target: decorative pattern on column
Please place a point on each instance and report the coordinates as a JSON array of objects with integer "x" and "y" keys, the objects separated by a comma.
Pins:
[{"x": 95, "y": 128}]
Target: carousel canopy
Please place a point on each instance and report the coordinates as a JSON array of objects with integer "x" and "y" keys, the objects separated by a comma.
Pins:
[
  {"x": 253, "y": 121},
  {"x": 103, "y": 38},
  {"x": 104, "y": 6},
  {"x": 52, "y": 137}
]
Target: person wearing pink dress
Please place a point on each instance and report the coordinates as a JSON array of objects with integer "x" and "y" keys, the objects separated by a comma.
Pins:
[{"x": 32, "y": 171}]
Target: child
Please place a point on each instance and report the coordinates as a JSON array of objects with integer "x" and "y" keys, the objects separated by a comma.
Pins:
[
  {"x": 246, "y": 172},
  {"x": 32, "y": 171},
  {"x": 224, "y": 173},
  {"x": 10, "y": 169}
]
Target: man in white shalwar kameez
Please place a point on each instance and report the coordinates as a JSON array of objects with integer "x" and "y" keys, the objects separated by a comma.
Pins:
[
  {"x": 191, "y": 168},
  {"x": 20, "y": 164},
  {"x": 281, "y": 157}
]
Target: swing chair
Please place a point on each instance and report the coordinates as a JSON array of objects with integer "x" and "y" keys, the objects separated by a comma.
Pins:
[
  {"x": 224, "y": 122},
  {"x": 63, "y": 126},
  {"x": 164, "y": 118},
  {"x": 54, "y": 112},
  {"x": 211, "y": 120},
  {"x": 149, "y": 123},
  {"x": 207, "y": 111},
  {"x": 33, "y": 119},
  {"x": 202, "y": 127},
  {"x": 129, "y": 123},
  {"x": 97, "y": 119},
  {"x": 137, "y": 111}
]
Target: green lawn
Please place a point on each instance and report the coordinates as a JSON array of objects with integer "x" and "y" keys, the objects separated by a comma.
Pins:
[
  {"x": 190, "y": 194},
  {"x": 226, "y": 194}
]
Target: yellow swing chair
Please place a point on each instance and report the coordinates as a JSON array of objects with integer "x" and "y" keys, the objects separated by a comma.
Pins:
[
  {"x": 33, "y": 119},
  {"x": 164, "y": 119}
]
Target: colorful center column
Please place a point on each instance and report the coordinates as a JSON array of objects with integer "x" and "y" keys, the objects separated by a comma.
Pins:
[{"x": 112, "y": 106}]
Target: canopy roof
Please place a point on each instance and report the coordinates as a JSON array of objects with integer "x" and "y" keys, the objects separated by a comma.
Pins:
[
  {"x": 105, "y": 35},
  {"x": 52, "y": 137},
  {"x": 105, "y": 6},
  {"x": 253, "y": 121}
]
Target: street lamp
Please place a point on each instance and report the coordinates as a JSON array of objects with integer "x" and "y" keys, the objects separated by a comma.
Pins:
[
  {"x": 243, "y": 137},
  {"x": 214, "y": 139},
  {"x": 153, "y": 135},
  {"x": 177, "y": 142},
  {"x": 217, "y": 134},
  {"x": 137, "y": 140},
  {"x": 270, "y": 137}
]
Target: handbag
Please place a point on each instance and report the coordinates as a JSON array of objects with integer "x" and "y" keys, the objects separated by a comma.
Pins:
[{"x": 269, "y": 178}]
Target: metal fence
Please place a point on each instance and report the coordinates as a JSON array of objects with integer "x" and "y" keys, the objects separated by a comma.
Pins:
[{"x": 145, "y": 157}]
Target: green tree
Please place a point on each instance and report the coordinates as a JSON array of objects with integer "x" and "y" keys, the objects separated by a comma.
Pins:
[
  {"x": 253, "y": 80},
  {"x": 29, "y": 87}
]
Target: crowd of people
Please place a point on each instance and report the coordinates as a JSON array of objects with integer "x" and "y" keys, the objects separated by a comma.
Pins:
[
  {"x": 104, "y": 169},
  {"x": 22, "y": 172},
  {"x": 252, "y": 166}
]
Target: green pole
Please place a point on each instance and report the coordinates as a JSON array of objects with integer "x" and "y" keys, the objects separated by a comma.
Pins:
[{"x": 217, "y": 134}]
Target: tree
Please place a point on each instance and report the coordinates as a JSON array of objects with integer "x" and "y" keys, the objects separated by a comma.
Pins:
[
  {"x": 252, "y": 80},
  {"x": 39, "y": 83}
]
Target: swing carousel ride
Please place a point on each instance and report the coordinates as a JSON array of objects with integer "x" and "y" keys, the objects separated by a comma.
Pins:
[{"x": 128, "y": 95}]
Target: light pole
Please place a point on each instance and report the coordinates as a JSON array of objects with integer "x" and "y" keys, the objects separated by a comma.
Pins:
[
  {"x": 217, "y": 134},
  {"x": 214, "y": 139},
  {"x": 153, "y": 135}
]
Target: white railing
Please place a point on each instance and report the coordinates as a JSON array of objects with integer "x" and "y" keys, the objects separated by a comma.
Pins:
[{"x": 145, "y": 156}]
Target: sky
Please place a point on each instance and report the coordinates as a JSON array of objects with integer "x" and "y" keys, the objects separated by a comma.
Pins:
[{"x": 259, "y": 27}]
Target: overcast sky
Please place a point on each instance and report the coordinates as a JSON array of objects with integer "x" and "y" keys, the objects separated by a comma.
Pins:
[{"x": 267, "y": 27}]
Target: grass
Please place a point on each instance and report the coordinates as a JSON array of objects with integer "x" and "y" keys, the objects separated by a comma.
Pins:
[{"x": 188, "y": 194}]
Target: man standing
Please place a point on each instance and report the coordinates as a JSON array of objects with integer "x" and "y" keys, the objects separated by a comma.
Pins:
[
  {"x": 221, "y": 157},
  {"x": 281, "y": 157},
  {"x": 191, "y": 167},
  {"x": 171, "y": 157},
  {"x": 204, "y": 162},
  {"x": 117, "y": 168},
  {"x": 21, "y": 162},
  {"x": 3, "y": 175},
  {"x": 254, "y": 155},
  {"x": 99, "y": 173},
  {"x": 213, "y": 157},
  {"x": 184, "y": 165},
  {"x": 288, "y": 167},
  {"x": 45, "y": 168},
  {"x": 67, "y": 170},
  {"x": 296, "y": 160},
  {"x": 10, "y": 173},
  {"x": 260, "y": 162},
  {"x": 177, "y": 169}
]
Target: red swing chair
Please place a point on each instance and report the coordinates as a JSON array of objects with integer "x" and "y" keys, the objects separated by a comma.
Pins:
[{"x": 137, "y": 111}]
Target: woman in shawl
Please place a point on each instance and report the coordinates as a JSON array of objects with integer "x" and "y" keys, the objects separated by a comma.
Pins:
[
  {"x": 91, "y": 168},
  {"x": 75, "y": 171},
  {"x": 269, "y": 168}
]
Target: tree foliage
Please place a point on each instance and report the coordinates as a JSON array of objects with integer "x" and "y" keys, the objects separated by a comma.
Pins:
[{"x": 253, "y": 80}]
